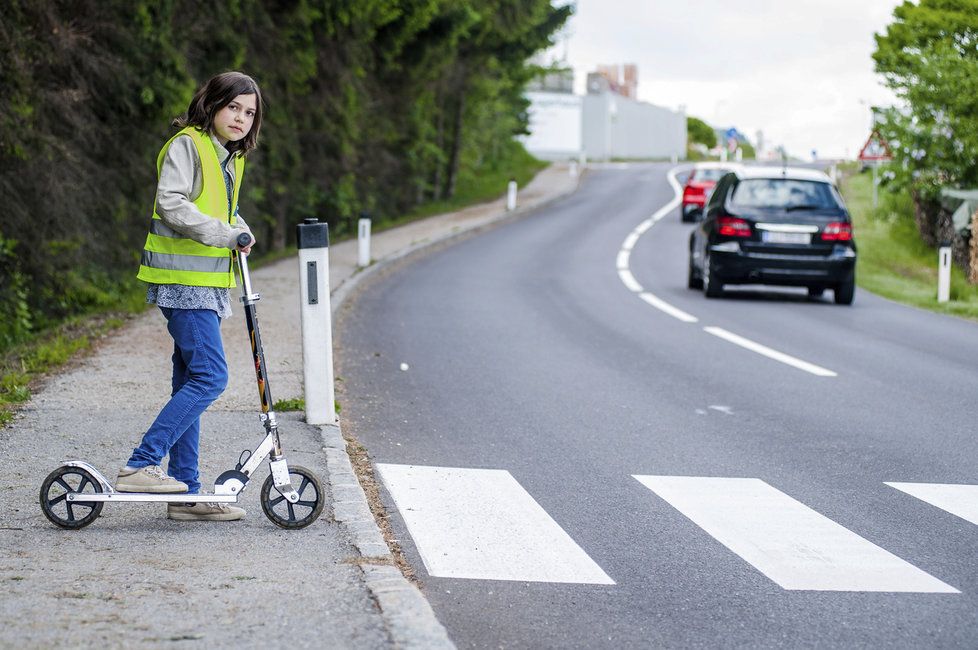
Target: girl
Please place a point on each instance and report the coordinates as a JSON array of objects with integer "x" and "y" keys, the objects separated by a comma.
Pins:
[{"x": 187, "y": 263}]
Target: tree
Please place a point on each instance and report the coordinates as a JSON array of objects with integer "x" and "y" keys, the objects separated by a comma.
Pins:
[
  {"x": 372, "y": 105},
  {"x": 699, "y": 131},
  {"x": 929, "y": 57}
]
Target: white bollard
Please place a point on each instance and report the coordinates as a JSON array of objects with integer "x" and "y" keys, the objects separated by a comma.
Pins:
[
  {"x": 582, "y": 160},
  {"x": 944, "y": 274},
  {"x": 511, "y": 196},
  {"x": 675, "y": 158},
  {"x": 363, "y": 243},
  {"x": 572, "y": 169},
  {"x": 739, "y": 155},
  {"x": 312, "y": 239},
  {"x": 834, "y": 173}
]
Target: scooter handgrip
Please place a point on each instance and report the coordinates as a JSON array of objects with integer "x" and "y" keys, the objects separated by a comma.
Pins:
[{"x": 244, "y": 239}]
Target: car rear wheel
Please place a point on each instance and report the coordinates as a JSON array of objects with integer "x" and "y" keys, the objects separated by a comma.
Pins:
[
  {"x": 712, "y": 287},
  {"x": 845, "y": 291},
  {"x": 693, "y": 280}
]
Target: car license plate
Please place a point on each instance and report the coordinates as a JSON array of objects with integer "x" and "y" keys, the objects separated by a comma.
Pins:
[{"x": 772, "y": 237}]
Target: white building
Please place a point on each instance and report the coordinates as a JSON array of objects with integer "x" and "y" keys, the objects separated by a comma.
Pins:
[
  {"x": 603, "y": 125},
  {"x": 555, "y": 125}
]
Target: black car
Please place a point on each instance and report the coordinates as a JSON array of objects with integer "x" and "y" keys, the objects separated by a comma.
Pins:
[{"x": 774, "y": 225}]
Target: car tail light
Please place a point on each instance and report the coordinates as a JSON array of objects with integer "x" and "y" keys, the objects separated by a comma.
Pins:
[
  {"x": 733, "y": 227},
  {"x": 692, "y": 190},
  {"x": 837, "y": 231}
]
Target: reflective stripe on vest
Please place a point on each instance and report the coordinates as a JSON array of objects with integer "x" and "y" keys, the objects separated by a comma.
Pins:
[{"x": 171, "y": 258}]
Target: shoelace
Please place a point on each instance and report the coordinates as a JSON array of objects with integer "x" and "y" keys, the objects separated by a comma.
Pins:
[{"x": 157, "y": 472}]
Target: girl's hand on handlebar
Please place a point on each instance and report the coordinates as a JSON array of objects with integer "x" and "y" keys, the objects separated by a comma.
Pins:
[{"x": 243, "y": 247}]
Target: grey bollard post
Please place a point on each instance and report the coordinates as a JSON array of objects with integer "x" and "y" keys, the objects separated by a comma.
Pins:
[
  {"x": 511, "y": 196},
  {"x": 312, "y": 239},
  {"x": 363, "y": 243},
  {"x": 944, "y": 273},
  {"x": 572, "y": 169}
]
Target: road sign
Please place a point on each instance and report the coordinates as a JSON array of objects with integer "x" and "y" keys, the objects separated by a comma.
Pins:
[{"x": 876, "y": 149}]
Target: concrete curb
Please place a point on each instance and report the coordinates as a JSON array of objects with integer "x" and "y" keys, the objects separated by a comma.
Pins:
[{"x": 409, "y": 617}]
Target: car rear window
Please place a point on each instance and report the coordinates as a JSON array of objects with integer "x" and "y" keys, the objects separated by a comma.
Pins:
[
  {"x": 785, "y": 193},
  {"x": 708, "y": 174}
]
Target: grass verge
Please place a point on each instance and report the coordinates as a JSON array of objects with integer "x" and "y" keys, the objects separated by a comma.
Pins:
[
  {"x": 485, "y": 185},
  {"x": 893, "y": 261},
  {"x": 24, "y": 364}
]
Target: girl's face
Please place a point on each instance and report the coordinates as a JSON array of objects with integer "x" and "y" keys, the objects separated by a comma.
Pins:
[{"x": 233, "y": 122}]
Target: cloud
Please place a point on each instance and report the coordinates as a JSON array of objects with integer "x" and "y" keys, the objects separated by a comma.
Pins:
[{"x": 801, "y": 71}]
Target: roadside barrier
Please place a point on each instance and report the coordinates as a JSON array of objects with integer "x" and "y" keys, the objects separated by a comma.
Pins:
[
  {"x": 944, "y": 272},
  {"x": 363, "y": 243},
  {"x": 312, "y": 238}
]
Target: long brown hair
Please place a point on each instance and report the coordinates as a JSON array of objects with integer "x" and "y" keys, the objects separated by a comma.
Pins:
[{"x": 219, "y": 91}]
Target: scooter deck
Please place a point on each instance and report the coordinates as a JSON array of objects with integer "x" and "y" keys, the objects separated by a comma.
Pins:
[
  {"x": 149, "y": 497},
  {"x": 109, "y": 493}
]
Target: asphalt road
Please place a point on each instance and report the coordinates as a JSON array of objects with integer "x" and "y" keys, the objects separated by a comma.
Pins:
[{"x": 526, "y": 354}]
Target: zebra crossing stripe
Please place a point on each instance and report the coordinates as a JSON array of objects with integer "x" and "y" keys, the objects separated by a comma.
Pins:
[
  {"x": 482, "y": 524},
  {"x": 786, "y": 540},
  {"x": 959, "y": 500}
]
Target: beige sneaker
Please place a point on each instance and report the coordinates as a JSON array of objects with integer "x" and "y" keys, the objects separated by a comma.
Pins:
[
  {"x": 150, "y": 479},
  {"x": 203, "y": 512}
]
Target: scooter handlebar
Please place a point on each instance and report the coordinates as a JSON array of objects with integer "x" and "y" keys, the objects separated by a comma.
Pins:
[{"x": 244, "y": 239}]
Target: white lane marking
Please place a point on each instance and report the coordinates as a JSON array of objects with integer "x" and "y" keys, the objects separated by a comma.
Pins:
[
  {"x": 643, "y": 227},
  {"x": 482, "y": 524},
  {"x": 629, "y": 280},
  {"x": 662, "y": 305},
  {"x": 629, "y": 242},
  {"x": 787, "y": 541},
  {"x": 770, "y": 353},
  {"x": 622, "y": 262},
  {"x": 723, "y": 409},
  {"x": 959, "y": 500}
]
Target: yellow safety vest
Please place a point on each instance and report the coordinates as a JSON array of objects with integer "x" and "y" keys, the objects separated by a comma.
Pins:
[{"x": 171, "y": 258}]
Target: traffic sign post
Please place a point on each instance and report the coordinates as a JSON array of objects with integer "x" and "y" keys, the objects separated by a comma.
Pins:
[{"x": 875, "y": 151}]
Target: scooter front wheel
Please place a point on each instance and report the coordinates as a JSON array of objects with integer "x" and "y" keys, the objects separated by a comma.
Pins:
[
  {"x": 54, "y": 497},
  {"x": 294, "y": 515}
]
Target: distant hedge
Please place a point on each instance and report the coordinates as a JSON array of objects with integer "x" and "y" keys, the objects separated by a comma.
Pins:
[{"x": 372, "y": 105}]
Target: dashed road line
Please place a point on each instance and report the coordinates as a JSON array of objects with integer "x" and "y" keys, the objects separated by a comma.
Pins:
[{"x": 768, "y": 352}]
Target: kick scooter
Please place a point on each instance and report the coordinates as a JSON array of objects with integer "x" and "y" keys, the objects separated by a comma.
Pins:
[{"x": 72, "y": 496}]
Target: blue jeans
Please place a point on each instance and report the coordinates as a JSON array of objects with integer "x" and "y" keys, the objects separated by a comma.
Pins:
[{"x": 200, "y": 375}]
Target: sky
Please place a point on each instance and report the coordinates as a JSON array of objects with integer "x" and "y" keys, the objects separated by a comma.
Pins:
[{"x": 801, "y": 71}]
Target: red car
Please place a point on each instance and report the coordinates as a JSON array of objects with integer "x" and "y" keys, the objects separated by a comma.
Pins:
[{"x": 699, "y": 185}]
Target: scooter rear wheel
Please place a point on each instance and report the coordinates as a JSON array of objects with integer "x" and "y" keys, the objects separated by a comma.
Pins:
[
  {"x": 294, "y": 515},
  {"x": 54, "y": 497}
]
